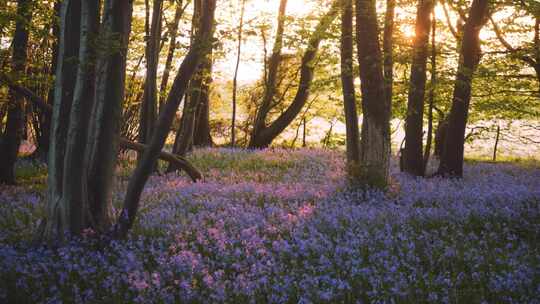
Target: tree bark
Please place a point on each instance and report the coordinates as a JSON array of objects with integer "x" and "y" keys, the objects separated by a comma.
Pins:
[
  {"x": 198, "y": 51},
  {"x": 413, "y": 158},
  {"x": 375, "y": 136},
  {"x": 388, "y": 49},
  {"x": 347, "y": 81},
  {"x": 201, "y": 131},
  {"x": 170, "y": 53},
  {"x": 432, "y": 86},
  {"x": 149, "y": 105},
  {"x": 59, "y": 214},
  {"x": 271, "y": 77},
  {"x": 102, "y": 146},
  {"x": 13, "y": 133},
  {"x": 470, "y": 54},
  {"x": 235, "y": 77},
  {"x": 266, "y": 135}
]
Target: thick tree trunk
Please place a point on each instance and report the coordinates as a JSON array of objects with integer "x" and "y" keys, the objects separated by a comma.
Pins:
[
  {"x": 470, "y": 53},
  {"x": 60, "y": 216},
  {"x": 375, "y": 136},
  {"x": 271, "y": 77},
  {"x": 266, "y": 135},
  {"x": 388, "y": 49},
  {"x": 149, "y": 105},
  {"x": 235, "y": 77},
  {"x": 13, "y": 133},
  {"x": 102, "y": 146},
  {"x": 349, "y": 96},
  {"x": 432, "y": 86},
  {"x": 198, "y": 51},
  {"x": 201, "y": 132},
  {"x": 413, "y": 157}
]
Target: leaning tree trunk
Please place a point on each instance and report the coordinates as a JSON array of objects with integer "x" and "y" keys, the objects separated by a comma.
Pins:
[
  {"x": 375, "y": 141},
  {"x": 271, "y": 77},
  {"x": 347, "y": 80},
  {"x": 170, "y": 53},
  {"x": 266, "y": 135},
  {"x": 413, "y": 157},
  {"x": 13, "y": 133},
  {"x": 198, "y": 51},
  {"x": 149, "y": 105},
  {"x": 470, "y": 54}
]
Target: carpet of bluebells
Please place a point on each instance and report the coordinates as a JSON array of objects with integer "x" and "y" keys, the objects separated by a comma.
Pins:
[{"x": 280, "y": 226}]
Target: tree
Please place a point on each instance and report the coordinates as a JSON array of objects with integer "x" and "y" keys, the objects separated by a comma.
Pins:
[
  {"x": 13, "y": 132},
  {"x": 413, "y": 158},
  {"x": 347, "y": 79},
  {"x": 235, "y": 77},
  {"x": 388, "y": 49},
  {"x": 263, "y": 135},
  {"x": 74, "y": 204},
  {"x": 149, "y": 104},
  {"x": 270, "y": 80},
  {"x": 375, "y": 135},
  {"x": 199, "y": 50},
  {"x": 470, "y": 53}
]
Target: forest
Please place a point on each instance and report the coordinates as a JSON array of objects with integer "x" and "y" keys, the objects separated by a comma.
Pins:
[{"x": 269, "y": 151}]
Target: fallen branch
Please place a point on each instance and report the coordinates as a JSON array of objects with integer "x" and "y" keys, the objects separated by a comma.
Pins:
[{"x": 175, "y": 160}]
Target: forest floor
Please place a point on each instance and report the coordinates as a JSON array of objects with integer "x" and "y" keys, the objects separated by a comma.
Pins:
[{"x": 279, "y": 226}]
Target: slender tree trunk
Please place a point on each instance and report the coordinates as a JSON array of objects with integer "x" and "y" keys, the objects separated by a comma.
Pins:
[
  {"x": 235, "y": 78},
  {"x": 13, "y": 133},
  {"x": 266, "y": 135},
  {"x": 413, "y": 158},
  {"x": 470, "y": 54},
  {"x": 149, "y": 104},
  {"x": 198, "y": 51},
  {"x": 349, "y": 96},
  {"x": 375, "y": 136},
  {"x": 388, "y": 49},
  {"x": 170, "y": 54},
  {"x": 271, "y": 77},
  {"x": 304, "y": 133},
  {"x": 495, "y": 148},
  {"x": 432, "y": 86},
  {"x": 42, "y": 141}
]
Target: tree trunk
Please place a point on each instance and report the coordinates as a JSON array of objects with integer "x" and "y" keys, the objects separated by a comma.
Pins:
[
  {"x": 201, "y": 132},
  {"x": 432, "y": 86},
  {"x": 42, "y": 141},
  {"x": 375, "y": 136},
  {"x": 413, "y": 158},
  {"x": 198, "y": 51},
  {"x": 349, "y": 96},
  {"x": 271, "y": 77},
  {"x": 13, "y": 133},
  {"x": 235, "y": 78},
  {"x": 61, "y": 217},
  {"x": 266, "y": 135},
  {"x": 388, "y": 49},
  {"x": 495, "y": 148},
  {"x": 470, "y": 53},
  {"x": 149, "y": 104},
  {"x": 102, "y": 146},
  {"x": 170, "y": 53}
]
